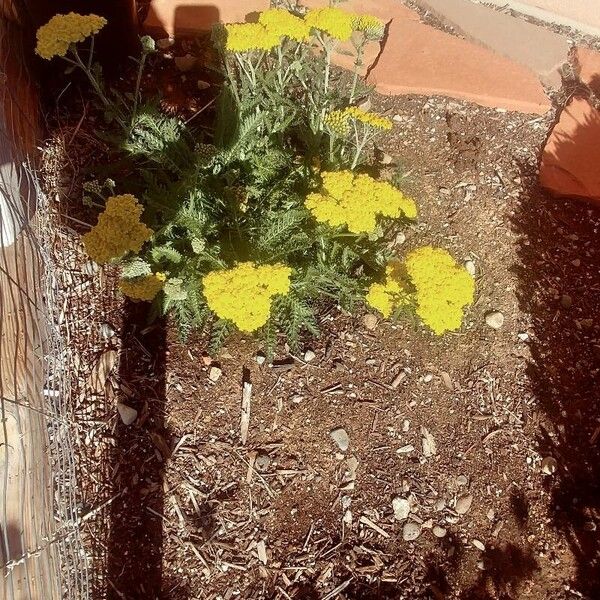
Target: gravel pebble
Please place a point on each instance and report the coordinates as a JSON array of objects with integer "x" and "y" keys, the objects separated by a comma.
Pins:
[
  {"x": 411, "y": 531},
  {"x": 463, "y": 504},
  {"x": 401, "y": 508},
  {"x": 439, "y": 531},
  {"x": 494, "y": 319},
  {"x": 127, "y": 413},
  {"x": 341, "y": 438},
  {"x": 549, "y": 465},
  {"x": 370, "y": 321},
  {"x": 309, "y": 355},
  {"x": 214, "y": 374}
]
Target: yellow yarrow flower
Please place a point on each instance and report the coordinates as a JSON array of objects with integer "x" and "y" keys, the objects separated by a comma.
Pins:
[
  {"x": 369, "y": 118},
  {"x": 443, "y": 288},
  {"x": 143, "y": 288},
  {"x": 335, "y": 22},
  {"x": 245, "y": 37},
  {"x": 282, "y": 23},
  {"x": 118, "y": 230},
  {"x": 55, "y": 37},
  {"x": 244, "y": 293},
  {"x": 356, "y": 201},
  {"x": 390, "y": 295},
  {"x": 337, "y": 121},
  {"x": 371, "y": 26}
]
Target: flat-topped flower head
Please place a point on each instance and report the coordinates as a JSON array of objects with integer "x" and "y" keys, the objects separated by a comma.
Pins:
[
  {"x": 356, "y": 201},
  {"x": 371, "y": 26},
  {"x": 244, "y": 293},
  {"x": 143, "y": 288},
  {"x": 369, "y": 118},
  {"x": 245, "y": 37},
  {"x": 337, "y": 121},
  {"x": 335, "y": 22},
  {"x": 392, "y": 293},
  {"x": 55, "y": 37},
  {"x": 283, "y": 23},
  {"x": 443, "y": 288},
  {"x": 118, "y": 231}
]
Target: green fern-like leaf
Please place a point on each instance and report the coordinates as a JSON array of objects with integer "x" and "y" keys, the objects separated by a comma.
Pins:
[
  {"x": 166, "y": 254},
  {"x": 135, "y": 267},
  {"x": 220, "y": 331},
  {"x": 294, "y": 316}
]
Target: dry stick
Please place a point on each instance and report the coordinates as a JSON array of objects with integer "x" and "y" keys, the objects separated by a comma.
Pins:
[{"x": 245, "y": 418}]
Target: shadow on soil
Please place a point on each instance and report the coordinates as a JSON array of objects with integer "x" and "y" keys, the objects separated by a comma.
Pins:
[
  {"x": 559, "y": 277},
  {"x": 134, "y": 566}
]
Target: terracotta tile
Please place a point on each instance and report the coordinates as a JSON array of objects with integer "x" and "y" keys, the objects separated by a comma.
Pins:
[
  {"x": 538, "y": 48},
  {"x": 418, "y": 59},
  {"x": 569, "y": 165},
  {"x": 589, "y": 62}
]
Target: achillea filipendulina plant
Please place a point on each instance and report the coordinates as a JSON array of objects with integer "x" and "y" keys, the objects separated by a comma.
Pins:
[
  {"x": 282, "y": 23},
  {"x": 244, "y": 293},
  {"x": 333, "y": 21},
  {"x": 245, "y": 37},
  {"x": 143, "y": 288},
  {"x": 371, "y": 26},
  {"x": 118, "y": 231},
  {"x": 55, "y": 37},
  {"x": 443, "y": 288},
  {"x": 356, "y": 201},
  {"x": 256, "y": 226},
  {"x": 393, "y": 293},
  {"x": 369, "y": 118}
]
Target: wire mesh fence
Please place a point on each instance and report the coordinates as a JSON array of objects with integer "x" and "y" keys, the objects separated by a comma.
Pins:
[{"x": 41, "y": 555}]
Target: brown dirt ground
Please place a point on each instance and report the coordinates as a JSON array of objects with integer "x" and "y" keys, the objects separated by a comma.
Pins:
[{"x": 178, "y": 508}]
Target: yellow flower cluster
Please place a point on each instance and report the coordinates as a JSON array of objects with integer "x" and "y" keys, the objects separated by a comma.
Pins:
[
  {"x": 245, "y": 37},
  {"x": 282, "y": 23},
  {"x": 55, "y": 37},
  {"x": 356, "y": 201},
  {"x": 337, "y": 121},
  {"x": 118, "y": 231},
  {"x": 243, "y": 294},
  {"x": 369, "y": 118},
  {"x": 335, "y": 22},
  {"x": 391, "y": 294},
  {"x": 371, "y": 26},
  {"x": 443, "y": 288},
  {"x": 143, "y": 288}
]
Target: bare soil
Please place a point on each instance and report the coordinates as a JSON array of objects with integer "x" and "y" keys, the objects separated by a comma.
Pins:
[{"x": 178, "y": 508}]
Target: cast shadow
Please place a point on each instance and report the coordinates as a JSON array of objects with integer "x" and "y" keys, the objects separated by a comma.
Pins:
[
  {"x": 135, "y": 539},
  {"x": 186, "y": 20},
  {"x": 504, "y": 569},
  {"x": 559, "y": 287}
]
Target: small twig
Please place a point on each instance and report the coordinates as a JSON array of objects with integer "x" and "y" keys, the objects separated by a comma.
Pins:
[
  {"x": 201, "y": 110},
  {"x": 246, "y": 397},
  {"x": 340, "y": 588}
]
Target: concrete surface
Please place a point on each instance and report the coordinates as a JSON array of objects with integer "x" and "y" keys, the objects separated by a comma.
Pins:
[
  {"x": 583, "y": 15},
  {"x": 535, "y": 47}
]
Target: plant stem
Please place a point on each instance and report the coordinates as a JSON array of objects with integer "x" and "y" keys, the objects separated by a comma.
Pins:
[
  {"x": 360, "y": 145},
  {"x": 96, "y": 85},
  {"x": 138, "y": 82},
  {"x": 357, "y": 63}
]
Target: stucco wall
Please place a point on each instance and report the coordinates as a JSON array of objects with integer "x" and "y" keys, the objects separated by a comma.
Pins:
[{"x": 579, "y": 14}]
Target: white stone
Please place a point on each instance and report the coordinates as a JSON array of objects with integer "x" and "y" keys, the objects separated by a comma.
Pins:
[
  {"x": 401, "y": 507},
  {"x": 127, "y": 413}
]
